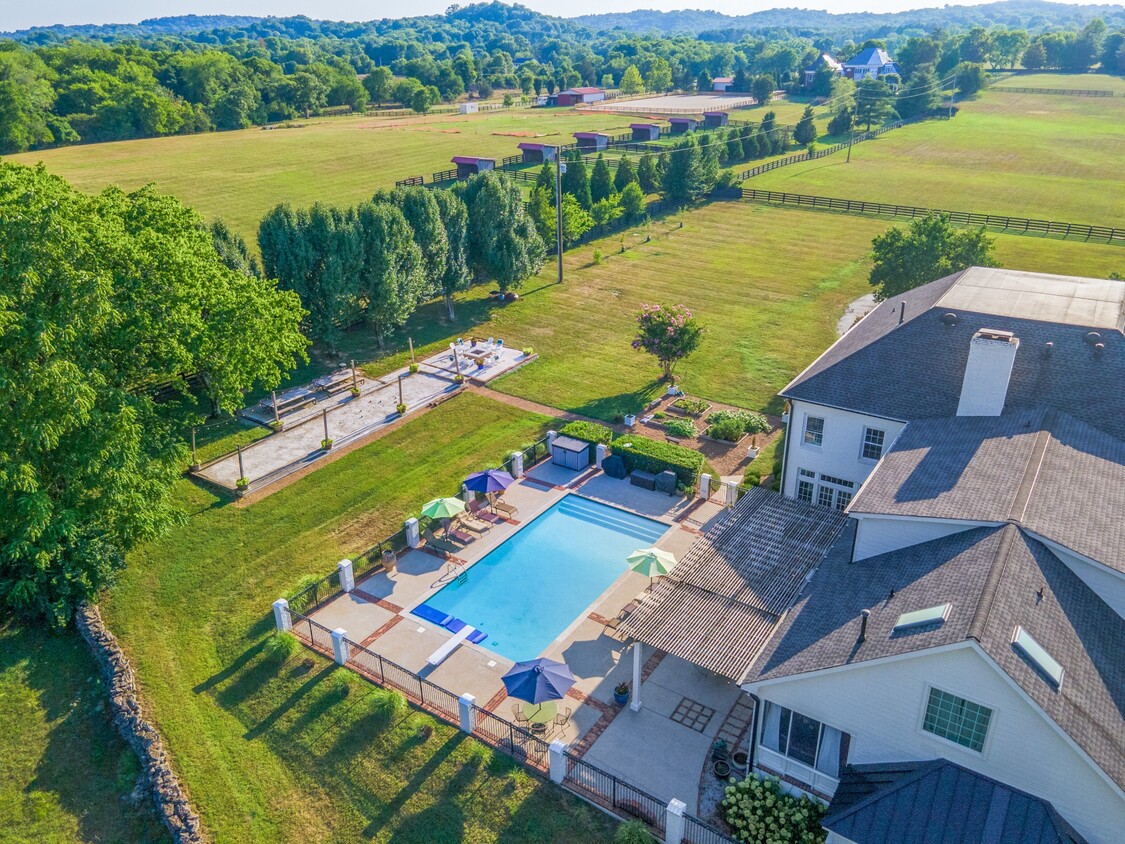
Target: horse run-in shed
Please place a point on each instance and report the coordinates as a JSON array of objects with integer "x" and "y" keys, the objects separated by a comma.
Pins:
[
  {"x": 575, "y": 96},
  {"x": 468, "y": 165},
  {"x": 645, "y": 131},
  {"x": 595, "y": 141},
  {"x": 680, "y": 125},
  {"x": 715, "y": 119},
  {"x": 537, "y": 153}
]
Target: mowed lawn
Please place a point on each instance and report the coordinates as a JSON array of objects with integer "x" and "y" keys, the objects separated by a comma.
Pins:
[
  {"x": 1066, "y": 81},
  {"x": 301, "y": 751},
  {"x": 1041, "y": 156},
  {"x": 65, "y": 774},
  {"x": 768, "y": 283}
]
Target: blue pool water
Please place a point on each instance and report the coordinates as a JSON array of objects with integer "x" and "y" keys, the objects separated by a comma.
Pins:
[{"x": 525, "y": 592}]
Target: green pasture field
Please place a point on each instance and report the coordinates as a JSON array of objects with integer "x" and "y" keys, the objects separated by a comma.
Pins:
[
  {"x": 299, "y": 751},
  {"x": 1041, "y": 156},
  {"x": 1066, "y": 81}
]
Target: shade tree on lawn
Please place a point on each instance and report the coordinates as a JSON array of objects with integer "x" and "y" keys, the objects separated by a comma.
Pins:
[
  {"x": 669, "y": 333},
  {"x": 929, "y": 248},
  {"x": 455, "y": 218},
  {"x": 503, "y": 242}
]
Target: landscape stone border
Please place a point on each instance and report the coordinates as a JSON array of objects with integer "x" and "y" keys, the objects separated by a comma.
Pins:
[{"x": 172, "y": 801}]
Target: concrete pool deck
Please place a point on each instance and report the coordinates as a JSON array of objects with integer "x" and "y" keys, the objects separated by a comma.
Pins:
[{"x": 646, "y": 747}]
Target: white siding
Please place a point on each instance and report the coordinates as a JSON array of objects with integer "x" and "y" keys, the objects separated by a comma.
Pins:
[
  {"x": 880, "y": 534},
  {"x": 881, "y": 705},
  {"x": 1108, "y": 584},
  {"x": 840, "y": 454}
]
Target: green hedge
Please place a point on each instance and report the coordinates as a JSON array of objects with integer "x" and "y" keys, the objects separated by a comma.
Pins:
[
  {"x": 590, "y": 432},
  {"x": 648, "y": 455}
]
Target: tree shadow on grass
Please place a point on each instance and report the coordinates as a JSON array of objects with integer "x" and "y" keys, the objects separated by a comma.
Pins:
[
  {"x": 444, "y": 822},
  {"x": 414, "y": 785},
  {"x": 296, "y": 697},
  {"x": 230, "y": 670},
  {"x": 608, "y": 407}
]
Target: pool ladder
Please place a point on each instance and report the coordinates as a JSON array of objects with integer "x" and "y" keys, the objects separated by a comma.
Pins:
[{"x": 457, "y": 574}]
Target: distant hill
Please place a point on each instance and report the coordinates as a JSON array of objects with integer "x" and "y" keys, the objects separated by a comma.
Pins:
[
  {"x": 1034, "y": 15},
  {"x": 177, "y": 25}
]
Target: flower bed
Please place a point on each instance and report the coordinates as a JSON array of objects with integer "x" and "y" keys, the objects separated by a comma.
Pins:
[
  {"x": 732, "y": 425},
  {"x": 680, "y": 428},
  {"x": 689, "y": 407}
]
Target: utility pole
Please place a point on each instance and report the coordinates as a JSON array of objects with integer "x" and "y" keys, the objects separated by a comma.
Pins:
[
  {"x": 851, "y": 137},
  {"x": 558, "y": 206}
]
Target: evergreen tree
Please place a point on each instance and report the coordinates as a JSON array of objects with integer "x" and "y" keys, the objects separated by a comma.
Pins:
[
  {"x": 734, "y": 145},
  {"x": 874, "y": 102},
  {"x": 805, "y": 131},
  {"x": 546, "y": 178},
  {"x": 455, "y": 219},
  {"x": 741, "y": 82},
  {"x": 841, "y": 122},
  {"x": 576, "y": 180},
  {"x": 691, "y": 172},
  {"x": 624, "y": 175},
  {"x": 703, "y": 81},
  {"x": 541, "y": 208},
  {"x": 647, "y": 176},
  {"x": 632, "y": 201},
  {"x": 920, "y": 95},
  {"x": 601, "y": 182},
  {"x": 749, "y": 142}
]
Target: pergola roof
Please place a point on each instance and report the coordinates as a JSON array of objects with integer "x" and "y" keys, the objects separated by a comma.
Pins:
[{"x": 723, "y": 600}]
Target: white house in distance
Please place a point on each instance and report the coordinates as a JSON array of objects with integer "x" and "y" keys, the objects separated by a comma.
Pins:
[
  {"x": 872, "y": 61},
  {"x": 958, "y": 653}
]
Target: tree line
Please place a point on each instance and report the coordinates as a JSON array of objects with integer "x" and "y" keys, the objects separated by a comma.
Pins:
[{"x": 375, "y": 263}]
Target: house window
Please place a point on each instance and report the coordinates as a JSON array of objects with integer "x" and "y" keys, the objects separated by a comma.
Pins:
[
  {"x": 825, "y": 495},
  {"x": 805, "y": 491},
  {"x": 814, "y": 430},
  {"x": 843, "y": 499},
  {"x": 801, "y": 739},
  {"x": 833, "y": 492},
  {"x": 873, "y": 443},
  {"x": 957, "y": 719}
]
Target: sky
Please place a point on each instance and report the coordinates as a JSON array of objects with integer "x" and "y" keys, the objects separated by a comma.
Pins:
[{"x": 20, "y": 14}]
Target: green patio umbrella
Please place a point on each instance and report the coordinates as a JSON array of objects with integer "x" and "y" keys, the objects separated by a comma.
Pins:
[
  {"x": 651, "y": 561},
  {"x": 443, "y": 508}
]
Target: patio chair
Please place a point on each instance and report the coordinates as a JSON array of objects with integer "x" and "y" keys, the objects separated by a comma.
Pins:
[
  {"x": 439, "y": 544},
  {"x": 455, "y": 534},
  {"x": 519, "y": 714},
  {"x": 563, "y": 718}
]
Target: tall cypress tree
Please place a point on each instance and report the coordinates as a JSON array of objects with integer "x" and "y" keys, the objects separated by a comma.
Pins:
[
  {"x": 624, "y": 175},
  {"x": 576, "y": 181},
  {"x": 601, "y": 182}
]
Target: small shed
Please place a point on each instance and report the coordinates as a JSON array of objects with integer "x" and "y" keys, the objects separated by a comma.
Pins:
[
  {"x": 575, "y": 96},
  {"x": 592, "y": 141},
  {"x": 715, "y": 119},
  {"x": 468, "y": 108},
  {"x": 722, "y": 83},
  {"x": 680, "y": 125},
  {"x": 570, "y": 453},
  {"x": 537, "y": 153},
  {"x": 468, "y": 165},
  {"x": 645, "y": 131}
]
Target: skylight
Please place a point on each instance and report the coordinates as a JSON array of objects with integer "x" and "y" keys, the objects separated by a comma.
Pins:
[
  {"x": 1037, "y": 655},
  {"x": 920, "y": 618}
]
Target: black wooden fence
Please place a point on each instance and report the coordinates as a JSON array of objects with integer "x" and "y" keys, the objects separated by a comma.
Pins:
[
  {"x": 1021, "y": 225},
  {"x": 819, "y": 153}
]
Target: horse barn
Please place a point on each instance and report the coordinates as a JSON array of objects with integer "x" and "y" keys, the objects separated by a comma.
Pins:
[
  {"x": 680, "y": 125},
  {"x": 577, "y": 96},
  {"x": 537, "y": 153},
  {"x": 592, "y": 141},
  {"x": 715, "y": 119},
  {"x": 468, "y": 165},
  {"x": 645, "y": 131}
]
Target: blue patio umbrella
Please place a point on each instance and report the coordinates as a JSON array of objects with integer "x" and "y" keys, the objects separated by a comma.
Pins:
[
  {"x": 538, "y": 680},
  {"x": 490, "y": 480}
]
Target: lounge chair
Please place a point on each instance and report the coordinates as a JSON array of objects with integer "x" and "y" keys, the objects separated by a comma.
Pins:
[
  {"x": 478, "y": 511},
  {"x": 457, "y": 535},
  {"x": 506, "y": 509},
  {"x": 439, "y": 544},
  {"x": 472, "y": 524},
  {"x": 623, "y": 614}
]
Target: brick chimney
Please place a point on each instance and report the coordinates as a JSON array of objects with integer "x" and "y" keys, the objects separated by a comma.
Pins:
[{"x": 985, "y": 387}]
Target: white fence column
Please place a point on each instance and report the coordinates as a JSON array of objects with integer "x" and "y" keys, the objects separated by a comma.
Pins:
[
  {"x": 465, "y": 704},
  {"x": 466, "y": 494},
  {"x": 599, "y": 454},
  {"x": 347, "y": 575},
  {"x": 281, "y": 616},
  {"x": 731, "y": 489},
  {"x": 551, "y": 435},
  {"x": 517, "y": 464},
  {"x": 705, "y": 486},
  {"x": 674, "y": 820},
  {"x": 556, "y": 755},
  {"x": 340, "y": 646},
  {"x": 413, "y": 536},
  {"x": 638, "y": 660}
]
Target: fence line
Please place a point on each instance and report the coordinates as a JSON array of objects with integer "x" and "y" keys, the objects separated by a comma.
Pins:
[
  {"x": 1062, "y": 92},
  {"x": 819, "y": 153},
  {"x": 588, "y": 781},
  {"x": 992, "y": 221}
]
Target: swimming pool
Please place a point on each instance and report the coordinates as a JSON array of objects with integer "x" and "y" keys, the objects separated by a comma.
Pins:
[{"x": 529, "y": 589}]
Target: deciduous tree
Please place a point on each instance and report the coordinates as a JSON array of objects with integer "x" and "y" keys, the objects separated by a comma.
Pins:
[
  {"x": 503, "y": 242},
  {"x": 761, "y": 89},
  {"x": 929, "y": 249},
  {"x": 669, "y": 333},
  {"x": 631, "y": 81},
  {"x": 455, "y": 219}
]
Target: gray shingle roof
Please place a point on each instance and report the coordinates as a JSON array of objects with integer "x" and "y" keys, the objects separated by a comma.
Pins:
[
  {"x": 938, "y": 801},
  {"x": 995, "y": 578},
  {"x": 1055, "y": 475},
  {"x": 723, "y": 599},
  {"x": 914, "y": 370}
]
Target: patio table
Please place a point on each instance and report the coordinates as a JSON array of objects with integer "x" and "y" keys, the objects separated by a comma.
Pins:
[{"x": 542, "y": 714}]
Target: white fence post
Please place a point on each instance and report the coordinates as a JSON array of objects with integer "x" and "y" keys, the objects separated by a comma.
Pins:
[
  {"x": 340, "y": 646},
  {"x": 281, "y": 616},
  {"x": 732, "y": 492},
  {"x": 517, "y": 464},
  {"x": 705, "y": 486},
  {"x": 347, "y": 575},
  {"x": 413, "y": 536},
  {"x": 674, "y": 821},
  {"x": 465, "y": 704},
  {"x": 466, "y": 494},
  {"x": 551, "y": 435},
  {"x": 556, "y": 754},
  {"x": 600, "y": 453}
]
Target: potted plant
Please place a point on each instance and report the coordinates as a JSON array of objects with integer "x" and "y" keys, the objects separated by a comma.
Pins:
[
  {"x": 413, "y": 368},
  {"x": 241, "y": 485},
  {"x": 458, "y": 379},
  {"x": 621, "y": 694},
  {"x": 326, "y": 443},
  {"x": 740, "y": 759},
  {"x": 401, "y": 408},
  {"x": 355, "y": 392},
  {"x": 390, "y": 559},
  {"x": 277, "y": 424},
  {"x": 630, "y": 420},
  {"x": 721, "y": 768}
]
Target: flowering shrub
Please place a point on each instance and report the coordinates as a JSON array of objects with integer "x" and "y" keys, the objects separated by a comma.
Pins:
[
  {"x": 667, "y": 332},
  {"x": 759, "y": 812}
]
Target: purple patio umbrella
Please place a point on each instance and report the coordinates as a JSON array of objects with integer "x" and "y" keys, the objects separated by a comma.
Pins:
[
  {"x": 489, "y": 481},
  {"x": 538, "y": 680}
]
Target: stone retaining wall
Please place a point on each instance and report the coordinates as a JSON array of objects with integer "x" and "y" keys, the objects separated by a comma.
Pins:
[{"x": 171, "y": 799}]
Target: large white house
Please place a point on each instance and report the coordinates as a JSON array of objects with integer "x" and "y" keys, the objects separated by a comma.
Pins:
[{"x": 958, "y": 657}]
